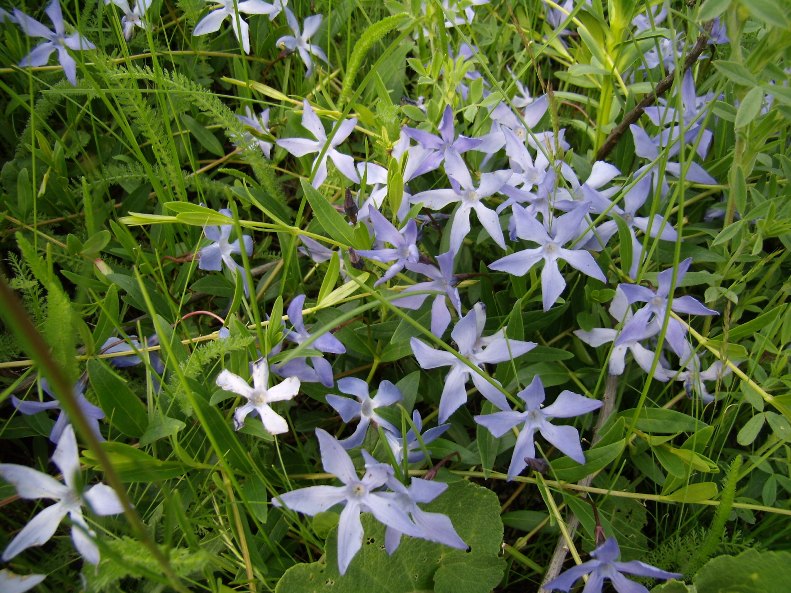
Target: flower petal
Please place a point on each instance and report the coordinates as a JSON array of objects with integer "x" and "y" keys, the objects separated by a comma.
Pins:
[
  {"x": 210, "y": 23},
  {"x": 38, "y": 531},
  {"x": 234, "y": 383},
  {"x": 311, "y": 500},
  {"x": 350, "y": 536},
  {"x": 103, "y": 500},
  {"x": 31, "y": 483},
  {"x": 334, "y": 458}
]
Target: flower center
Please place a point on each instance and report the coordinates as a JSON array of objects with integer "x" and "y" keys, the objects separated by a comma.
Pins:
[
  {"x": 471, "y": 195},
  {"x": 551, "y": 248},
  {"x": 357, "y": 490},
  {"x": 367, "y": 409},
  {"x": 259, "y": 397},
  {"x": 657, "y": 302}
]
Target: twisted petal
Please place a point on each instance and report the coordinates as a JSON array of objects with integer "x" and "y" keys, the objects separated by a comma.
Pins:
[
  {"x": 518, "y": 263},
  {"x": 500, "y": 423},
  {"x": 552, "y": 284},
  {"x": 15, "y": 583},
  {"x": 569, "y": 404},
  {"x": 584, "y": 262},
  {"x": 82, "y": 537},
  {"x": 273, "y": 422},
  {"x": 66, "y": 456},
  {"x": 524, "y": 449},
  {"x": 31, "y": 26}
]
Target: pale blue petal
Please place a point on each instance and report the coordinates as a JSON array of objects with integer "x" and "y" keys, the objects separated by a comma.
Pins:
[
  {"x": 334, "y": 458},
  {"x": 350, "y": 536},
  {"x": 311, "y": 500}
]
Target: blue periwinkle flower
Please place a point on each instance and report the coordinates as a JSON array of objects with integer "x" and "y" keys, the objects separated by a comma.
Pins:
[{"x": 605, "y": 565}]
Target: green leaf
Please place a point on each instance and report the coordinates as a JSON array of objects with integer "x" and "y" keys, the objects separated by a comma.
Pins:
[
  {"x": 330, "y": 277},
  {"x": 750, "y": 107},
  {"x": 329, "y": 218},
  {"x": 123, "y": 408},
  {"x": 773, "y": 12},
  {"x": 95, "y": 243},
  {"x": 59, "y": 331},
  {"x": 487, "y": 443},
  {"x": 661, "y": 421},
  {"x": 780, "y": 426},
  {"x": 711, "y": 9},
  {"x": 196, "y": 215},
  {"x": 134, "y": 465},
  {"x": 568, "y": 470},
  {"x": 395, "y": 183},
  {"x": 749, "y": 432},
  {"x": 417, "y": 565},
  {"x": 694, "y": 493},
  {"x": 159, "y": 428},
  {"x": 108, "y": 317},
  {"x": 752, "y": 571},
  {"x": 625, "y": 244},
  {"x": 204, "y": 137},
  {"x": 736, "y": 72}
]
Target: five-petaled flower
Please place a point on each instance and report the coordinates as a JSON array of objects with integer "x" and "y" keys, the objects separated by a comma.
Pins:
[
  {"x": 212, "y": 256},
  {"x": 300, "y": 41},
  {"x": 56, "y": 40},
  {"x": 605, "y": 565},
  {"x": 232, "y": 8},
  {"x": 357, "y": 495},
  {"x": 133, "y": 17},
  {"x": 302, "y": 146},
  {"x": 259, "y": 396},
  {"x": 364, "y": 409},
  {"x": 477, "y": 350},
  {"x": 33, "y": 484},
  {"x": 537, "y": 419}
]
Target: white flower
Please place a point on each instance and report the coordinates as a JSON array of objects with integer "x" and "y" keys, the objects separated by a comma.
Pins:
[
  {"x": 300, "y": 42},
  {"x": 32, "y": 484},
  {"x": 231, "y": 8},
  {"x": 133, "y": 17},
  {"x": 259, "y": 396}
]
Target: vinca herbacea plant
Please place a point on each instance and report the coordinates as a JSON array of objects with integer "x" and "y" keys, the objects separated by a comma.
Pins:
[{"x": 444, "y": 295}]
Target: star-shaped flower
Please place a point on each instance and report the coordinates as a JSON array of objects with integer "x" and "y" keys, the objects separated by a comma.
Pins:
[
  {"x": 404, "y": 248},
  {"x": 133, "y": 17},
  {"x": 232, "y": 8},
  {"x": 478, "y": 350},
  {"x": 302, "y": 146},
  {"x": 321, "y": 369},
  {"x": 605, "y": 565},
  {"x": 443, "y": 281},
  {"x": 469, "y": 198},
  {"x": 69, "y": 497},
  {"x": 300, "y": 41},
  {"x": 447, "y": 144},
  {"x": 564, "y": 229},
  {"x": 259, "y": 123},
  {"x": 259, "y": 396},
  {"x": 413, "y": 441},
  {"x": 357, "y": 495},
  {"x": 56, "y": 41},
  {"x": 213, "y": 256},
  {"x": 655, "y": 310},
  {"x": 364, "y": 409},
  {"x": 535, "y": 418}
]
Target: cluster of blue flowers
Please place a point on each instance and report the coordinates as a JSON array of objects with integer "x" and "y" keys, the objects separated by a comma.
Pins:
[{"x": 529, "y": 202}]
